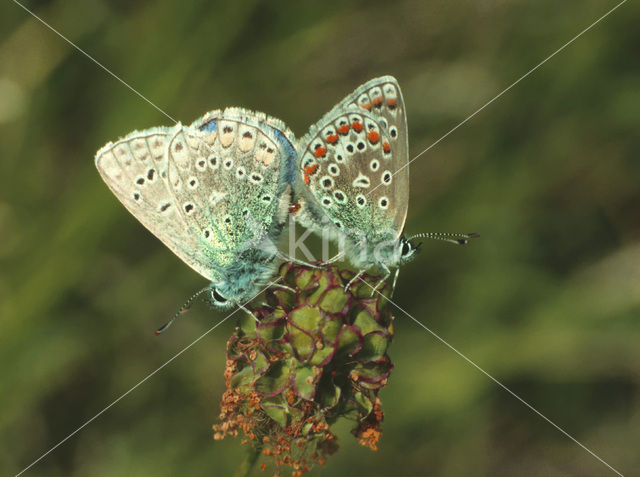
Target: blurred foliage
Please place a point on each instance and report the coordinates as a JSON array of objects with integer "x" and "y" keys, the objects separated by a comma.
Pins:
[{"x": 547, "y": 301}]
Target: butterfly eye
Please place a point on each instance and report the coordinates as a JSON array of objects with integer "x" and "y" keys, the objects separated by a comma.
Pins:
[
  {"x": 217, "y": 298},
  {"x": 406, "y": 248}
]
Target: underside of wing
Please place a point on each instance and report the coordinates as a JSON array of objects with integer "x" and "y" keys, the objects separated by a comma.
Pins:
[
  {"x": 346, "y": 164},
  {"x": 232, "y": 172},
  {"x": 382, "y": 98},
  {"x": 136, "y": 169},
  {"x": 209, "y": 192}
]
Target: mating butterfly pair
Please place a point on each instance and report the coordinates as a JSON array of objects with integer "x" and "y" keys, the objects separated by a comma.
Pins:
[{"x": 219, "y": 191}]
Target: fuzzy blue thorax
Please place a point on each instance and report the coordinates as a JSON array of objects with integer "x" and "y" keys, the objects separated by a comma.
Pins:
[{"x": 241, "y": 281}]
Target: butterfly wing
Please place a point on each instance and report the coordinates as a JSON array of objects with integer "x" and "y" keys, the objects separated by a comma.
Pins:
[
  {"x": 354, "y": 162},
  {"x": 232, "y": 171},
  {"x": 136, "y": 170},
  {"x": 382, "y": 97},
  {"x": 193, "y": 189}
]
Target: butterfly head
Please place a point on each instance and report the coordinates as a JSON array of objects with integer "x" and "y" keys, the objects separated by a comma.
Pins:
[
  {"x": 239, "y": 283},
  {"x": 217, "y": 300},
  {"x": 226, "y": 295},
  {"x": 407, "y": 249}
]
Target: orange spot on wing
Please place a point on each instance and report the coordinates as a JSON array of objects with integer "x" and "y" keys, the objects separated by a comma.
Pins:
[
  {"x": 294, "y": 208},
  {"x": 391, "y": 102},
  {"x": 306, "y": 178},
  {"x": 377, "y": 101},
  {"x": 344, "y": 129},
  {"x": 320, "y": 151},
  {"x": 386, "y": 147},
  {"x": 332, "y": 138},
  {"x": 366, "y": 106},
  {"x": 311, "y": 169},
  {"x": 357, "y": 125},
  {"x": 373, "y": 136}
]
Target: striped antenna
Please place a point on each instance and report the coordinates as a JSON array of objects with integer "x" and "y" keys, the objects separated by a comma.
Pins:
[
  {"x": 183, "y": 309},
  {"x": 458, "y": 239}
]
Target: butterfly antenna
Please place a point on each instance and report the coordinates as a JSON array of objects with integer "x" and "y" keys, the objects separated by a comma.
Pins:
[
  {"x": 458, "y": 239},
  {"x": 183, "y": 309}
]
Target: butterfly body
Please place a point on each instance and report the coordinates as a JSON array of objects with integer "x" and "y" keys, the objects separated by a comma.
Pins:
[{"x": 216, "y": 193}]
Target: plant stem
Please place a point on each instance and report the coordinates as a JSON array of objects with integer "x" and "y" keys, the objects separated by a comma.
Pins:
[{"x": 249, "y": 460}]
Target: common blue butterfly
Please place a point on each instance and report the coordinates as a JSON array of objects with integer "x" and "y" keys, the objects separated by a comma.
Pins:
[
  {"x": 353, "y": 177},
  {"x": 216, "y": 193}
]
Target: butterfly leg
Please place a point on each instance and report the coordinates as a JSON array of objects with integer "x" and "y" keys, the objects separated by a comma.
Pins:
[
  {"x": 336, "y": 258},
  {"x": 248, "y": 312},
  {"x": 355, "y": 277},
  {"x": 395, "y": 280},
  {"x": 387, "y": 272},
  {"x": 288, "y": 258},
  {"x": 283, "y": 287}
]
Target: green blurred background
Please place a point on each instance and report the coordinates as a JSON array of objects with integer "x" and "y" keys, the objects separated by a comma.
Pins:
[{"x": 547, "y": 301}]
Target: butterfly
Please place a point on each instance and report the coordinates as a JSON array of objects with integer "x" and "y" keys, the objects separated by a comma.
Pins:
[
  {"x": 353, "y": 178},
  {"x": 216, "y": 193}
]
